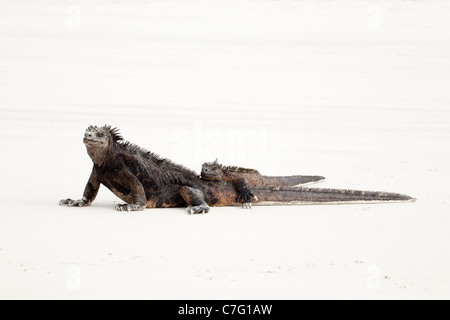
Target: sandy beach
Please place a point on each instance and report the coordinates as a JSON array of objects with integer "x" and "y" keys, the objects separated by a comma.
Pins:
[{"x": 356, "y": 91}]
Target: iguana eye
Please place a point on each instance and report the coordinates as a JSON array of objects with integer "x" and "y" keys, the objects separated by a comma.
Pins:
[{"x": 100, "y": 135}]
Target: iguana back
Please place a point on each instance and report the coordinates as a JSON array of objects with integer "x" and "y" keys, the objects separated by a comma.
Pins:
[{"x": 213, "y": 171}]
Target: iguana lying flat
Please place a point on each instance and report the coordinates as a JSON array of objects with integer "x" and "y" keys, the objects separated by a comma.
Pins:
[
  {"x": 245, "y": 179},
  {"x": 142, "y": 179}
]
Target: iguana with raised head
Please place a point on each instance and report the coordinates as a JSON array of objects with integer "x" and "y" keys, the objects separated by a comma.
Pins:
[
  {"x": 143, "y": 179},
  {"x": 244, "y": 179}
]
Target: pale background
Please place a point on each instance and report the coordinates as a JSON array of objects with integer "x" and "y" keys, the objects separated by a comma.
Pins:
[{"x": 357, "y": 91}]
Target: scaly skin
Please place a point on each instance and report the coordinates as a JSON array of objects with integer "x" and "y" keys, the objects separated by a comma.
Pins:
[
  {"x": 245, "y": 179},
  {"x": 142, "y": 180}
]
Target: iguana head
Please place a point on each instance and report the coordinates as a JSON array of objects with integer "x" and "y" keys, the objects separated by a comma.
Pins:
[
  {"x": 212, "y": 171},
  {"x": 98, "y": 141},
  {"x": 96, "y": 137}
]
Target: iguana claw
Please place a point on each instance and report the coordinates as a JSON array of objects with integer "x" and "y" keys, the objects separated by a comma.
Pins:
[
  {"x": 74, "y": 203},
  {"x": 201, "y": 209},
  {"x": 246, "y": 196},
  {"x": 129, "y": 207}
]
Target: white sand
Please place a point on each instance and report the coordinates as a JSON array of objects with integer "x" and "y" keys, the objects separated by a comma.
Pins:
[{"x": 356, "y": 91}]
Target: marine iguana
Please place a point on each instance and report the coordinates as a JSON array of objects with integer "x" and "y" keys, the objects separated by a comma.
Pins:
[
  {"x": 244, "y": 179},
  {"x": 143, "y": 179}
]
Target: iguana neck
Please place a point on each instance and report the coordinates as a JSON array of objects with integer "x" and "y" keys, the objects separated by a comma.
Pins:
[{"x": 98, "y": 155}]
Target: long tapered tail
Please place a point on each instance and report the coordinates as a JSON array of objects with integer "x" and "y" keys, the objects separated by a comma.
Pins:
[
  {"x": 298, "y": 196},
  {"x": 288, "y": 181}
]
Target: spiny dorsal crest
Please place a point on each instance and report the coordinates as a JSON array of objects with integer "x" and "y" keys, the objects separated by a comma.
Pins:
[
  {"x": 144, "y": 153},
  {"x": 114, "y": 132},
  {"x": 216, "y": 164},
  {"x": 239, "y": 169}
]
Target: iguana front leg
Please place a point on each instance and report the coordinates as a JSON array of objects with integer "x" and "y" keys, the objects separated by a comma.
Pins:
[
  {"x": 89, "y": 195},
  {"x": 138, "y": 197},
  {"x": 195, "y": 200},
  {"x": 245, "y": 194}
]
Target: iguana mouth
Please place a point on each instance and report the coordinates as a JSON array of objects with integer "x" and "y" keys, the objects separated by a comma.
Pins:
[
  {"x": 85, "y": 140},
  {"x": 209, "y": 177}
]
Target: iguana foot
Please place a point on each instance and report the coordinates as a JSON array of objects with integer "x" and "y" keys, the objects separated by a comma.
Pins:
[
  {"x": 129, "y": 207},
  {"x": 246, "y": 196},
  {"x": 74, "y": 203},
  {"x": 201, "y": 209},
  {"x": 195, "y": 200}
]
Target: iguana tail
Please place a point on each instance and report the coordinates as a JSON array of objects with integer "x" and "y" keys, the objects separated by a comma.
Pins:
[
  {"x": 290, "y": 181},
  {"x": 297, "y": 196},
  {"x": 258, "y": 181}
]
